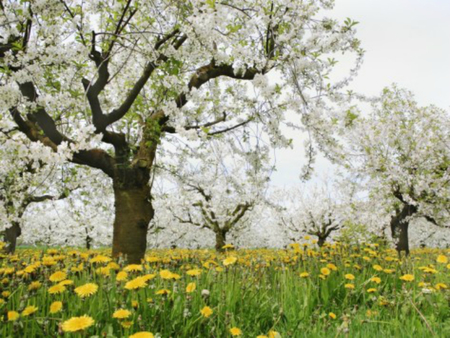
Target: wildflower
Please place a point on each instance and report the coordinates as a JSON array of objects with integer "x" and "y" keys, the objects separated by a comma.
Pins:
[
  {"x": 121, "y": 314},
  {"x": 55, "y": 289},
  {"x": 6, "y": 294},
  {"x": 332, "y": 315},
  {"x": 13, "y": 315},
  {"x": 442, "y": 259},
  {"x": 349, "y": 276},
  {"x": 304, "y": 274},
  {"x": 143, "y": 334},
  {"x": 229, "y": 261},
  {"x": 228, "y": 246},
  {"x": 407, "y": 278},
  {"x": 86, "y": 290},
  {"x": 194, "y": 272},
  {"x": 331, "y": 266},
  {"x": 440, "y": 286},
  {"x": 163, "y": 292},
  {"x": 136, "y": 283},
  {"x": 121, "y": 276},
  {"x": 388, "y": 271},
  {"x": 349, "y": 286},
  {"x": 206, "y": 311},
  {"x": 235, "y": 331},
  {"x": 58, "y": 276},
  {"x": 166, "y": 274},
  {"x": 100, "y": 259},
  {"x": 34, "y": 285},
  {"x": 135, "y": 304},
  {"x": 75, "y": 324},
  {"x": 325, "y": 271},
  {"x": 376, "y": 280},
  {"x": 191, "y": 287},
  {"x": 377, "y": 267},
  {"x": 148, "y": 277},
  {"x": 29, "y": 310},
  {"x": 371, "y": 290},
  {"x": 126, "y": 324},
  {"x": 55, "y": 307},
  {"x": 133, "y": 268},
  {"x": 66, "y": 282}
]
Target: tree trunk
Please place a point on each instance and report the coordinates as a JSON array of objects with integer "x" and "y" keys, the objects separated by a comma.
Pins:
[
  {"x": 321, "y": 241},
  {"x": 133, "y": 213},
  {"x": 10, "y": 237},
  {"x": 220, "y": 240},
  {"x": 399, "y": 228}
]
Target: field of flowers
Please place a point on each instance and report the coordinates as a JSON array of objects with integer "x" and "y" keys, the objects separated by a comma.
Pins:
[{"x": 298, "y": 292}]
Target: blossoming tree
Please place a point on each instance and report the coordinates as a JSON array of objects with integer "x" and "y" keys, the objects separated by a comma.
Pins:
[
  {"x": 105, "y": 83},
  {"x": 401, "y": 151}
]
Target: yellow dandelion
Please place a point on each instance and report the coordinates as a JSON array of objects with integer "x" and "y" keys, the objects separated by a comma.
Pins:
[
  {"x": 407, "y": 278},
  {"x": 133, "y": 268},
  {"x": 371, "y": 290},
  {"x": 229, "y": 261},
  {"x": 349, "y": 286},
  {"x": 121, "y": 276},
  {"x": 143, "y": 334},
  {"x": 440, "y": 286},
  {"x": 55, "y": 289},
  {"x": 376, "y": 280},
  {"x": 332, "y": 315},
  {"x": 13, "y": 315},
  {"x": 100, "y": 259},
  {"x": 378, "y": 268},
  {"x": 349, "y": 276},
  {"x": 325, "y": 271},
  {"x": 126, "y": 324},
  {"x": 304, "y": 274},
  {"x": 163, "y": 292},
  {"x": 121, "y": 314},
  {"x": 136, "y": 283},
  {"x": 75, "y": 324},
  {"x": 191, "y": 287},
  {"x": 55, "y": 307},
  {"x": 194, "y": 272},
  {"x": 206, "y": 311},
  {"x": 86, "y": 290},
  {"x": 34, "y": 285},
  {"x": 58, "y": 276},
  {"x": 442, "y": 259},
  {"x": 235, "y": 331},
  {"x": 29, "y": 310}
]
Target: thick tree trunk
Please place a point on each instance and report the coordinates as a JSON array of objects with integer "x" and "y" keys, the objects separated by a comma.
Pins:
[
  {"x": 399, "y": 228},
  {"x": 10, "y": 238},
  {"x": 321, "y": 241},
  {"x": 220, "y": 240},
  {"x": 132, "y": 216}
]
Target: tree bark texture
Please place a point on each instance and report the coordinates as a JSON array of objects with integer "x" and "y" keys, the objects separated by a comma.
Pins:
[
  {"x": 220, "y": 240},
  {"x": 10, "y": 238}
]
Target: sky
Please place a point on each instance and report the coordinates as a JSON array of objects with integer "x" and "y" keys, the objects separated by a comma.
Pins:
[{"x": 407, "y": 42}]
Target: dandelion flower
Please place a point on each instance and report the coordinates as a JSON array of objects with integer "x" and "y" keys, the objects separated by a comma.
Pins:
[
  {"x": 136, "y": 283},
  {"x": 194, "y": 272},
  {"x": 206, "y": 311},
  {"x": 349, "y": 286},
  {"x": 304, "y": 275},
  {"x": 13, "y": 315},
  {"x": 440, "y": 286},
  {"x": 235, "y": 331},
  {"x": 86, "y": 290},
  {"x": 325, "y": 271},
  {"x": 349, "y": 276},
  {"x": 143, "y": 334},
  {"x": 163, "y": 292},
  {"x": 377, "y": 267},
  {"x": 34, "y": 285},
  {"x": 376, "y": 280},
  {"x": 75, "y": 324},
  {"x": 121, "y": 276},
  {"x": 191, "y": 287},
  {"x": 442, "y": 259},
  {"x": 332, "y": 315},
  {"x": 371, "y": 290},
  {"x": 121, "y": 314},
  {"x": 229, "y": 261},
  {"x": 29, "y": 310},
  {"x": 58, "y": 276},
  {"x": 133, "y": 268},
  {"x": 126, "y": 324},
  {"x": 407, "y": 278},
  {"x": 55, "y": 289},
  {"x": 55, "y": 307}
]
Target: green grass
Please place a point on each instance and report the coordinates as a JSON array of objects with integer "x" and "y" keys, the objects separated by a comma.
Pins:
[{"x": 262, "y": 291}]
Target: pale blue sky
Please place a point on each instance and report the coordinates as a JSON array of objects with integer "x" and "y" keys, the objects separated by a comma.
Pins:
[{"x": 406, "y": 42}]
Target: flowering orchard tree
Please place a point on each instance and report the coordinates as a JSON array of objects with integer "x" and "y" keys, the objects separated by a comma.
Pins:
[
  {"x": 401, "y": 150},
  {"x": 316, "y": 212},
  {"x": 25, "y": 178},
  {"x": 104, "y": 83},
  {"x": 218, "y": 187}
]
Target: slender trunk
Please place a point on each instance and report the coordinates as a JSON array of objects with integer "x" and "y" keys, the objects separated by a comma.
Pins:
[
  {"x": 220, "y": 240},
  {"x": 133, "y": 213},
  {"x": 403, "y": 241},
  {"x": 10, "y": 237}
]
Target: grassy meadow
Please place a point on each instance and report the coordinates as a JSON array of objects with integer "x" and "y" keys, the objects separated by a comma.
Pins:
[{"x": 337, "y": 291}]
